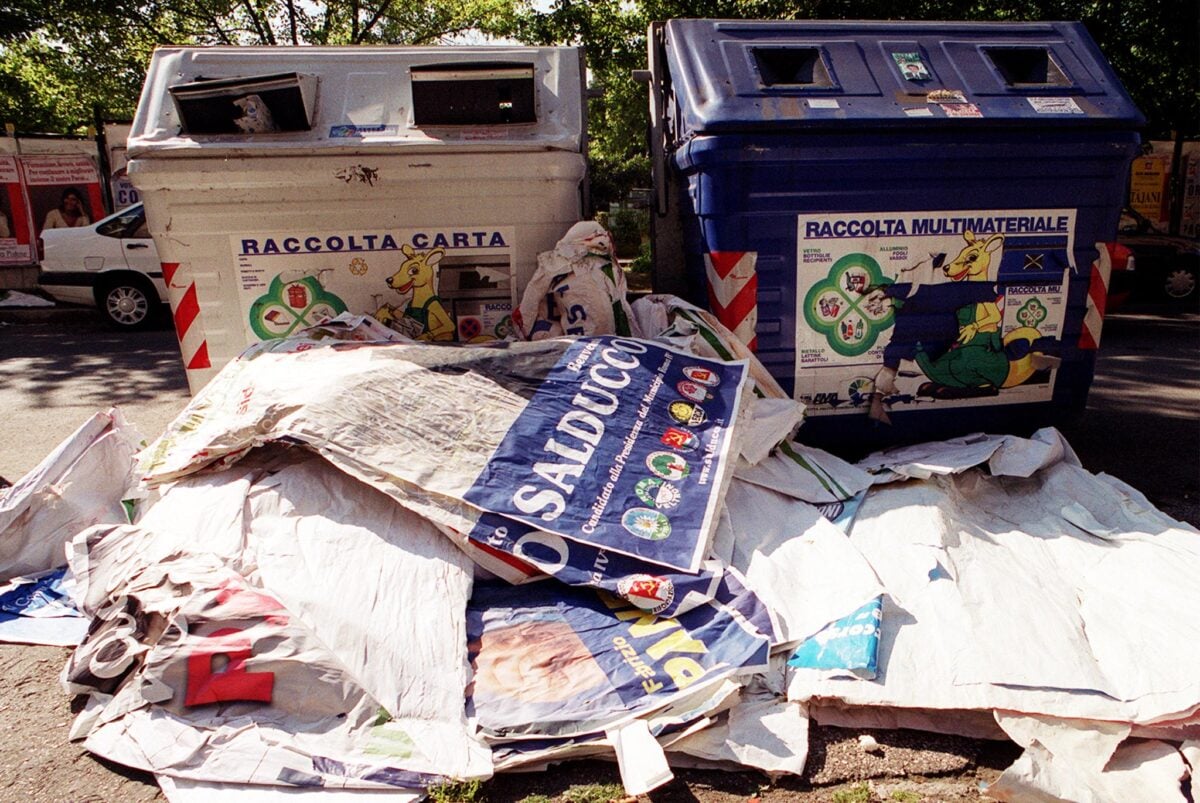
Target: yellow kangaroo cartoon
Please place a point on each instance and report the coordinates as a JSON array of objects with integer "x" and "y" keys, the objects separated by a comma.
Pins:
[
  {"x": 424, "y": 318},
  {"x": 977, "y": 362},
  {"x": 980, "y": 362}
]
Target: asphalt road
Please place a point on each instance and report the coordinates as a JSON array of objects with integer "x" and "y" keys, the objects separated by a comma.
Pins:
[
  {"x": 54, "y": 376},
  {"x": 1142, "y": 422}
]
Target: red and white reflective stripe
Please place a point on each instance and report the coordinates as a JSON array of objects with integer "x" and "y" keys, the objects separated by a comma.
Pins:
[
  {"x": 186, "y": 308},
  {"x": 1093, "y": 319},
  {"x": 733, "y": 292}
]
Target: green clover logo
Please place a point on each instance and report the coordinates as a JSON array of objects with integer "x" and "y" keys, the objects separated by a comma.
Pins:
[
  {"x": 848, "y": 307},
  {"x": 291, "y": 305},
  {"x": 1032, "y": 313}
]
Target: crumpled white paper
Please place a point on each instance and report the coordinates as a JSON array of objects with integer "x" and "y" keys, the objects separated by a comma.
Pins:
[{"x": 80, "y": 483}]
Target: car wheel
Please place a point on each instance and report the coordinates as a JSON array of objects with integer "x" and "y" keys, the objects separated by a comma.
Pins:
[
  {"x": 127, "y": 302},
  {"x": 1180, "y": 282}
]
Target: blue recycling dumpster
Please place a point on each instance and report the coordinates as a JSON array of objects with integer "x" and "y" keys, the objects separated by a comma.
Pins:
[{"x": 903, "y": 219}]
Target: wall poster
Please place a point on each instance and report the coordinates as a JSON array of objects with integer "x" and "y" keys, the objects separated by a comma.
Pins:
[
  {"x": 952, "y": 308},
  {"x": 450, "y": 284}
]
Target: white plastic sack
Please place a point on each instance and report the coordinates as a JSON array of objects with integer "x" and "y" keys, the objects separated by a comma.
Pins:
[{"x": 578, "y": 288}]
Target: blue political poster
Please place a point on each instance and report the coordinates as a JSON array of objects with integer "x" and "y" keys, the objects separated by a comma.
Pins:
[
  {"x": 646, "y": 586},
  {"x": 551, "y": 660},
  {"x": 850, "y": 643},
  {"x": 625, "y": 445}
]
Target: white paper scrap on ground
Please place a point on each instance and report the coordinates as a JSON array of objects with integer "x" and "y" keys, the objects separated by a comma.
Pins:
[
  {"x": 80, "y": 483},
  {"x": 641, "y": 761},
  {"x": 184, "y": 790},
  {"x": 763, "y": 731},
  {"x": 976, "y": 554},
  {"x": 1139, "y": 772}
]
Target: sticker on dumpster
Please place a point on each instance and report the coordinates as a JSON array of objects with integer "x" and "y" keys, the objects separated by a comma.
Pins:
[
  {"x": 556, "y": 661},
  {"x": 954, "y": 308},
  {"x": 1055, "y": 105},
  {"x": 912, "y": 68},
  {"x": 452, "y": 284},
  {"x": 961, "y": 110},
  {"x": 608, "y": 403}
]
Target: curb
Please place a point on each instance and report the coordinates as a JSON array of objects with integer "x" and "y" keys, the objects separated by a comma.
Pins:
[{"x": 55, "y": 314}]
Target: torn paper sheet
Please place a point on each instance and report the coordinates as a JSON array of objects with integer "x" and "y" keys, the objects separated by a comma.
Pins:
[
  {"x": 796, "y": 561},
  {"x": 1004, "y": 455},
  {"x": 769, "y": 423},
  {"x": 80, "y": 483},
  {"x": 317, "y": 535},
  {"x": 849, "y": 646},
  {"x": 578, "y": 288},
  {"x": 553, "y": 662},
  {"x": 970, "y": 553},
  {"x": 686, "y": 326},
  {"x": 807, "y": 473},
  {"x": 539, "y": 432},
  {"x": 1139, "y": 772},
  {"x": 227, "y": 686},
  {"x": 35, "y": 609},
  {"x": 355, "y": 567},
  {"x": 641, "y": 760},
  {"x": 763, "y": 731},
  {"x": 1087, "y": 745}
]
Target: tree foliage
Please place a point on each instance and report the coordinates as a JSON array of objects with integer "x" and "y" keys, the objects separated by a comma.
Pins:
[{"x": 63, "y": 63}]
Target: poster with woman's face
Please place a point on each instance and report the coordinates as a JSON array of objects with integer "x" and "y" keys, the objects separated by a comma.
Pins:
[
  {"x": 15, "y": 228},
  {"x": 63, "y": 191}
]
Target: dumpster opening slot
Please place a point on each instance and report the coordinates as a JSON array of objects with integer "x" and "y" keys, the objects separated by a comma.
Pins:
[
  {"x": 246, "y": 105},
  {"x": 1027, "y": 66},
  {"x": 792, "y": 66},
  {"x": 473, "y": 94}
]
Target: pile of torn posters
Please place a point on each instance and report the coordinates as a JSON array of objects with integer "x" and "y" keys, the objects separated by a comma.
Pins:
[{"x": 357, "y": 562}]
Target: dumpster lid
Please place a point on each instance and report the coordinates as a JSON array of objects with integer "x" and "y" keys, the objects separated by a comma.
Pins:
[
  {"x": 232, "y": 101},
  {"x": 731, "y": 76}
]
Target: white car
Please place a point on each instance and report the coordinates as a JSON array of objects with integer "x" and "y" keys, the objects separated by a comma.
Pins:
[{"x": 112, "y": 264}]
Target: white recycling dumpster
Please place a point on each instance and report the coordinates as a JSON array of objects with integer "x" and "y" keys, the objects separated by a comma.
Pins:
[{"x": 417, "y": 184}]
